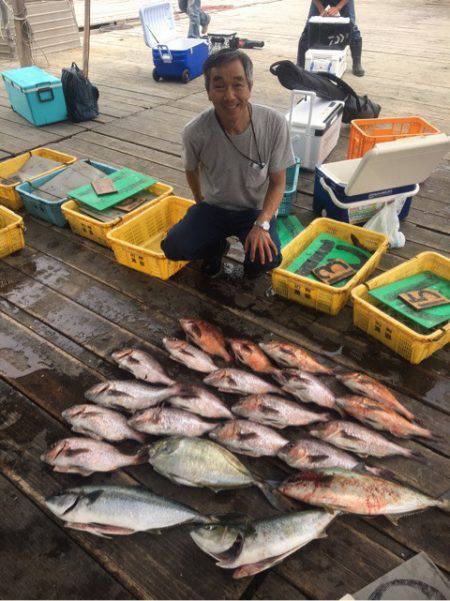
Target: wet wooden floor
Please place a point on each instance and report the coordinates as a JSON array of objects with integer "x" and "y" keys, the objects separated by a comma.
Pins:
[{"x": 65, "y": 305}]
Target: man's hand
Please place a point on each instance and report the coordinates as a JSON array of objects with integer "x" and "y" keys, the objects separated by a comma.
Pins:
[
  {"x": 260, "y": 241},
  {"x": 332, "y": 11}
]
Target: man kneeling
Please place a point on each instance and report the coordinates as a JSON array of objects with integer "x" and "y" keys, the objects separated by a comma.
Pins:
[{"x": 235, "y": 155}]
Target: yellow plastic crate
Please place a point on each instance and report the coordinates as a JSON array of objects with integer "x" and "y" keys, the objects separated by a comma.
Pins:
[
  {"x": 396, "y": 335},
  {"x": 88, "y": 227},
  {"x": 11, "y": 232},
  {"x": 137, "y": 243},
  {"x": 318, "y": 295},
  {"x": 8, "y": 195}
]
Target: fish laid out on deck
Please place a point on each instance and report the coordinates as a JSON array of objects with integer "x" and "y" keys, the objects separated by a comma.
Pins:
[
  {"x": 237, "y": 381},
  {"x": 142, "y": 365},
  {"x": 248, "y": 438},
  {"x": 128, "y": 395},
  {"x": 207, "y": 336},
  {"x": 119, "y": 510},
  {"x": 100, "y": 423},
  {"x": 189, "y": 355},
  {"x": 276, "y": 411},
  {"x": 248, "y": 353},
  {"x": 170, "y": 421},
  {"x": 267, "y": 543},
  {"x": 287, "y": 354}
]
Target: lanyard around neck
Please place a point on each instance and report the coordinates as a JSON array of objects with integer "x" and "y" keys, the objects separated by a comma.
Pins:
[{"x": 258, "y": 163}]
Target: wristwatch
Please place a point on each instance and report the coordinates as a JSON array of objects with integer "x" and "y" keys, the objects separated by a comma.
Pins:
[{"x": 265, "y": 225}]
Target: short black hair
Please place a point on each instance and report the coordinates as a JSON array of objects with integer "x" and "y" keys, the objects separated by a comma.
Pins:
[{"x": 224, "y": 57}]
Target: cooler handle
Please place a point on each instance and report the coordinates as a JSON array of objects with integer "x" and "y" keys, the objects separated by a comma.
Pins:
[
  {"x": 164, "y": 53},
  {"x": 312, "y": 99},
  {"x": 44, "y": 91},
  {"x": 363, "y": 203}
]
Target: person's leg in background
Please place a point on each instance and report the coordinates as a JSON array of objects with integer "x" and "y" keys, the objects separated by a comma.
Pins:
[
  {"x": 193, "y": 12},
  {"x": 355, "y": 38},
  {"x": 242, "y": 224},
  {"x": 199, "y": 235},
  {"x": 205, "y": 20},
  {"x": 303, "y": 41}
]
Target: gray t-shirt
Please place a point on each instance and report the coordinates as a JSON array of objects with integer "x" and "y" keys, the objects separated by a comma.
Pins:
[{"x": 228, "y": 179}]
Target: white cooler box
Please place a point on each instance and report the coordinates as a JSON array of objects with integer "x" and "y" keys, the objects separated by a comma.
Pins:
[
  {"x": 315, "y": 125},
  {"x": 354, "y": 189},
  {"x": 328, "y": 61}
]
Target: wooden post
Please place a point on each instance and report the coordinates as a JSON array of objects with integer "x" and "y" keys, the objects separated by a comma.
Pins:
[
  {"x": 23, "y": 41},
  {"x": 86, "y": 36}
]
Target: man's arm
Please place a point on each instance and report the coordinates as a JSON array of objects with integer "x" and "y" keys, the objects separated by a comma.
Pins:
[
  {"x": 334, "y": 10},
  {"x": 320, "y": 7},
  {"x": 193, "y": 179},
  {"x": 259, "y": 240}
]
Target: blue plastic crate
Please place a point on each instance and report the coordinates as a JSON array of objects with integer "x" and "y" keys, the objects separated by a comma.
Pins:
[
  {"x": 43, "y": 208},
  {"x": 290, "y": 192},
  {"x": 36, "y": 95}
]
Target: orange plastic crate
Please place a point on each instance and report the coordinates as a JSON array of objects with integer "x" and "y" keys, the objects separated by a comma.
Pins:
[{"x": 365, "y": 133}]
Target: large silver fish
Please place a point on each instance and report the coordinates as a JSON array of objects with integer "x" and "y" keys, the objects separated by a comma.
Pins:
[
  {"x": 248, "y": 438},
  {"x": 349, "y": 491},
  {"x": 85, "y": 456},
  {"x": 236, "y": 381},
  {"x": 142, "y": 365},
  {"x": 189, "y": 355},
  {"x": 119, "y": 510},
  {"x": 202, "y": 463},
  {"x": 287, "y": 354},
  {"x": 169, "y": 421},
  {"x": 100, "y": 423},
  {"x": 273, "y": 410},
  {"x": 306, "y": 387},
  {"x": 129, "y": 395},
  {"x": 359, "y": 439},
  {"x": 201, "y": 401},
  {"x": 373, "y": 389},
  {"x": 267, "y": 543}
]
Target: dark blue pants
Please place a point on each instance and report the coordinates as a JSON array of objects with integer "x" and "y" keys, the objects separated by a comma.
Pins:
[{"x": 203, "y": 231}]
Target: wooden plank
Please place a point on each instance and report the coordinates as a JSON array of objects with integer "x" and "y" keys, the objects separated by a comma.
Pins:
[
  {"x": 31, "y": 552},
  {"x": 274, "y": 586},
  {"x": 116, "y": 131},
  {"x": 62, "y": 129}
]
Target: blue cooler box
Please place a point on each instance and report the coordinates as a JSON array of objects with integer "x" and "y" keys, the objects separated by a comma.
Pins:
[
  {"x": 174, "y": 57},
  {"x": 354, "y": 190},
  {"x": 36, "y": 95}
]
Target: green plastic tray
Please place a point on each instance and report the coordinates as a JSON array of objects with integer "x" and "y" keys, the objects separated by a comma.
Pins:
[
  {"x": 427, "y": 318},
  {"x": 335, "y": 249},
  {"x": 127, "y": 182},
  {"x": 287, "y": 228}
]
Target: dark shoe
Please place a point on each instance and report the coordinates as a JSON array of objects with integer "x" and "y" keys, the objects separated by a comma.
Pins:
[
  {"x": 252, "y": 274},
  {"x": 211, "y": 268},
  {"x": 356, "y": 50}
]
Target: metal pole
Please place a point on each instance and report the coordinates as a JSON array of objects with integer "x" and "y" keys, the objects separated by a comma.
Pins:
[
  {"x": 86, "y": 36},
  {"x": 22, "y": 28}
]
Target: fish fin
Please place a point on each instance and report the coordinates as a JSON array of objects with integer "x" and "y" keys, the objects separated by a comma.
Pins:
[
  {"x": 86, "y": 432},
  {"x": 72, "y": 470},
  {"x": 85, "y": 528},
  {"x": 394, "y": 519},
  {"x": 318, "y": 458},
  {"x": 75, "y": 452},
  {"x": 230, "y": 554},
  {"x": 92, "y": 496},
  {"x": 322, "y": 535},
  {"x": 251, "y": 569},
  {"x": 266, "y": 409},
  {"x": 102, "y": 530},
  {"x": 381, "y": 472},
  {"x": 275, "y": 497},
  {"x": 349, "y": 436},
  {"x": 247, "y": 435},
  {"x": 196, "y": 330}
]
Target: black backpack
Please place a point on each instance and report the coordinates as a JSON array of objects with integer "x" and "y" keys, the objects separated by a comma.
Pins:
[
  {"x": 327, "y": 86},
  {"x": 81, "y": 96}
]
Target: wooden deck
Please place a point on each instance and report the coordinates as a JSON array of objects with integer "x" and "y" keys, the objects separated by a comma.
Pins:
[{"x": 65, "y": 305}]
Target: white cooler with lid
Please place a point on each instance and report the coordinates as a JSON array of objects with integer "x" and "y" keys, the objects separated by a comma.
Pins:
[
  {"x": 327, "y": 61},
  {"x": 315, "y": 126},
  {"x": 354, "y": 189}
]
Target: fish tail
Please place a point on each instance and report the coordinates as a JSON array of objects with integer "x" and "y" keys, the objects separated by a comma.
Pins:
[
  {"x": 275, "y": 497},
  {"x": 444, "y": 504},
  {"x": 418, "y": 457},
  {"x": 381, "y": 472}
]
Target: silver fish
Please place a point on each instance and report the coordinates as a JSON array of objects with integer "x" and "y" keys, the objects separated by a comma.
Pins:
[
  {"x": 360, "y": 440},
  {"x": 129, "y": 395},
  {"x": 307, "y": 453},
  {"x": 119, "y": 510},
  {"x": 248, "y": 438},
  {"x": 100, "y": 423},
  {"x": 201, "y": 401},
  {"x": 349, "y": 491},
  {"x": 306, "y": 387},
  {"x": 267, "y": 544},
  {"x": 198, "y": 462},
  {"x": 85, "y": 456},
  {"x": 236, "y": 381},
  {"x": 169, "y": 421},
  {"x": 142, "y": 365},
  {"x": 189, "y": 355},
  {"x": 276, "y": 411}
]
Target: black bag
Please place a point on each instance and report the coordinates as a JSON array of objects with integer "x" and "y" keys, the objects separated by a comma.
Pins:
[
  {"x": 327, "y": 86},
  {"x": 182, "y": 5},
  {"x": 81, "y": 96}
]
